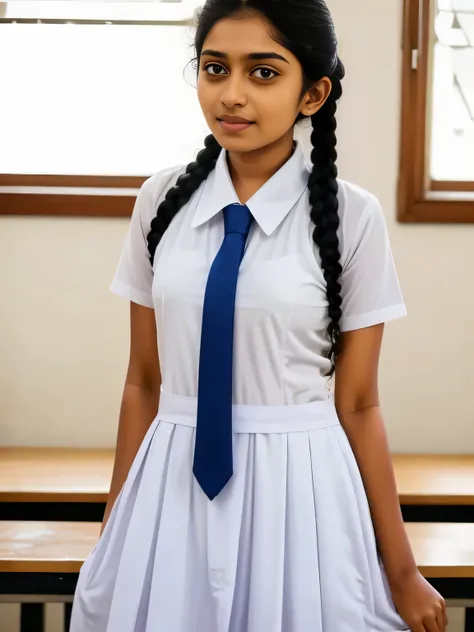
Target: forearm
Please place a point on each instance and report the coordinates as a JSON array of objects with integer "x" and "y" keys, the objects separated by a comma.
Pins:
[
  {"x": 366, "y": 433},
  {"x": 138, "y": 409}
]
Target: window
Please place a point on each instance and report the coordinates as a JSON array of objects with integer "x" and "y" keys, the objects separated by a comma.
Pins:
[
  {"x": 96, "y": 96},
  {"x": 436, "y": 181}
]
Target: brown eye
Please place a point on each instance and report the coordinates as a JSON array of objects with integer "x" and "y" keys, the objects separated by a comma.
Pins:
[
  {"x": 265, "y": 73},
  {"x": 215, "y": 69}
]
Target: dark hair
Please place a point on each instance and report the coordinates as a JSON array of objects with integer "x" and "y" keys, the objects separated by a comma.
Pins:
[{"x": 304, "y": 27}]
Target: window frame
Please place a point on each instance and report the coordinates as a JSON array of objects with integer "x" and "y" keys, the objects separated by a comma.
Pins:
[
  {"x": 81, "y": 195},
  {"x": 421, "y": 199},
  {"x": 66, "y": 195}
]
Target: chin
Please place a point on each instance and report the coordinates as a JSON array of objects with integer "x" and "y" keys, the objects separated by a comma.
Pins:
[
  {"x": 234, "y": 144},
  {"x": 236, "y": 148}
]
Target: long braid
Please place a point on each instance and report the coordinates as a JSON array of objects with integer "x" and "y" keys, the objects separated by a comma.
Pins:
[
  {"x": 323, "y": 190},
  {"x": 187, "y": 183}
]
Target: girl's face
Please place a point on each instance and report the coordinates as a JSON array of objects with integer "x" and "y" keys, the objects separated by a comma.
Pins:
[{"x": 249, "y": 86}]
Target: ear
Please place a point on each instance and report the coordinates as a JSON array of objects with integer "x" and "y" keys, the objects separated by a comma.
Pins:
[{"x": 317, "y": 95}]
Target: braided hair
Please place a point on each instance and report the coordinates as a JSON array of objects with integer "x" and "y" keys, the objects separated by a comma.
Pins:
[
  {"x": 304, "y": 27},
  {"x": 187, "y": 183},
  {"x": 324, "y": 203}
]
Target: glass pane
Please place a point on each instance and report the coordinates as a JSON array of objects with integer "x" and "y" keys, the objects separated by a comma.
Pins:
[
  {"x": 452, "y": 115},
  {"x": 97, "y": 10},
  {"x": 97, "y": 99}
]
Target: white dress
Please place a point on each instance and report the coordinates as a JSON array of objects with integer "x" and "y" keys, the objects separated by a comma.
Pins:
[{"x": 288, "y": 545}]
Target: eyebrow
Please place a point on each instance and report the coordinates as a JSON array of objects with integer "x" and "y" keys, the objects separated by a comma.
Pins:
[{"x": 253, "y": 56}]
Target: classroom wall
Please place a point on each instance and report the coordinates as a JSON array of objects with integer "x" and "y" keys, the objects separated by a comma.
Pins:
[{"x": 64, "y": 337}]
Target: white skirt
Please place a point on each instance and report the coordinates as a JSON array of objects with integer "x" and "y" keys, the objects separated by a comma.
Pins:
[{"x": 287, "y": 546}]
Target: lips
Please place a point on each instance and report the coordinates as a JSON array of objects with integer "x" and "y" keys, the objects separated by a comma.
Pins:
[
  {"x": 234, "y": 124},
  {"x": 235, "y": 120}
]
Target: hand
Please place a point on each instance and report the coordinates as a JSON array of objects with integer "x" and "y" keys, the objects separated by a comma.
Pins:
[{"x": 420, "y": 605}]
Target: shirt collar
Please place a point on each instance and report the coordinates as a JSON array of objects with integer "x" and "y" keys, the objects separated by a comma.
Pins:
[{"x": 269, "y": 205}]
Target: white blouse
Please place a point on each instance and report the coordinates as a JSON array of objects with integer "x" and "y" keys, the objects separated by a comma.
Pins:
[{"x": 280, "y": 340}]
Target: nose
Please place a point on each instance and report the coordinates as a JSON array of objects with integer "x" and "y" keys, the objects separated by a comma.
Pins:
[{"x": 233, "y": 92}]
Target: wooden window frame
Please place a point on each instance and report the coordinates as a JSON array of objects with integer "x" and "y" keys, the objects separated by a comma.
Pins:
[
  {"x": 81, "y": 195},
  {"x": 421, "y": 199},
  {"x": 72, "y": 196}
]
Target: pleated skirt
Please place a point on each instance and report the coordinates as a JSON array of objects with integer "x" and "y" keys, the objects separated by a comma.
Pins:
[{"x": 288, "y": 545}]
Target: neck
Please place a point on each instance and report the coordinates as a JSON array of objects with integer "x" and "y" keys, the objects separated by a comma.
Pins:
[{"x": 250, "y": 170}]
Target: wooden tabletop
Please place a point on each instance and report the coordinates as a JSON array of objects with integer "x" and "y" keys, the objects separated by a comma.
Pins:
[
  {"x": 46, "y": 547},
  {"x": 441, "y": 550},
  {"x": 435, "y": 479},
  {"x": 79, "y": 475},
  {"x": 55, "y": 475}
]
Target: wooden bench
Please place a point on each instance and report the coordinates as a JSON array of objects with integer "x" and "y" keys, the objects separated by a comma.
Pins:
[
  {"x": 54, "y": 483},
  {"x": 445, "y": 556},
  {"x": 73, "y": 484},
  {"x": 61, "y": 484},
  {"x": 435, "y": 488},
  {"x": 40, "y": 561}
]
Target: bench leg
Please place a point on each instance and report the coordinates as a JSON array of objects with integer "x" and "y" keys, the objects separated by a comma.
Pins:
[
  {"x": 469, "y": 624},
  {"x": 67, "y": 616},
  {"x": 32, "y": 617}
]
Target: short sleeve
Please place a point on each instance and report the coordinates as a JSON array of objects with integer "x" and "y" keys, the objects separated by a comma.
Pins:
[
  {"x": 370, "y": 289},
  {"x": 134, "y": 275}
]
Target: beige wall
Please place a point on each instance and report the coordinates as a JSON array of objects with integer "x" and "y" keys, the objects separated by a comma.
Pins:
[
  {"x": 64, "y": 338},
  {"x": 426, "y": 376}
]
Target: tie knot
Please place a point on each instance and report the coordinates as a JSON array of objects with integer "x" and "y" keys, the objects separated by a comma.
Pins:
[{"x": 237, "y": 219}]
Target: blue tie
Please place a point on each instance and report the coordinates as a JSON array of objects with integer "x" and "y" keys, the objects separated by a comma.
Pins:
[{"x": 213, "y": 448}]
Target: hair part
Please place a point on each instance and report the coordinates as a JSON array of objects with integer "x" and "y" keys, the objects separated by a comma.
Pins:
[{"x": 305, "y": 28}]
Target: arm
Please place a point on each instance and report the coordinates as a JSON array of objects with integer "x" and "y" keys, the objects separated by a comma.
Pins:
[
  {"x": 358, "y": 407},
  {"x": 140, "y": 397},
  {"x": 357, "y": 403}
]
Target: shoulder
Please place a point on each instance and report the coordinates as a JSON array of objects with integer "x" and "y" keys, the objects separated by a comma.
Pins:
[
  {"x": 360, "y": 218},
  {"x": 357, "y": 205},
  {"x": 154, "y": 189}
]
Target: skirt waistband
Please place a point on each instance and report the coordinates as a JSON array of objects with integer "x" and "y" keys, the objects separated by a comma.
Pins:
[{"x": 182, "y": 411}]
